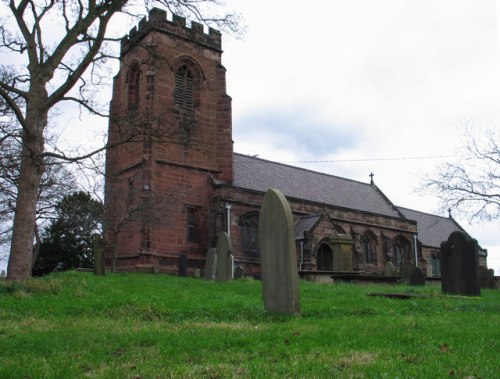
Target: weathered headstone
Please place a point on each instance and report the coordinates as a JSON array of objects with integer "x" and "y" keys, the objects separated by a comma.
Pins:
[
  {"x": 224, "y": 248},
  {"x": 487, "y": 278},
  {"x": 3, "y": 274},
  {"x": 460, "y": 265},
  {"x": 405, "y": 271},
  {"x": 183, "y": 265},
  {"x": 280, "y": 281},
  {"x": 389, "y": 269},
  {"x": 210, "y": 265},
  {"x": 417, "y": 278},
  {"x": 98, "y": 251}
]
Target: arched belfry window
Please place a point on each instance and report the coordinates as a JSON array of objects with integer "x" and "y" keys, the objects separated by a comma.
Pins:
[
  {"x": 184, "y": 87},
  {"x": 133, "y": 80}
]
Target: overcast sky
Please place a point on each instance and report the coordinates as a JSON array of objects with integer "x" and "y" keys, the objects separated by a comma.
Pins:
[
  {"x": 330, "y": 80},
  {"x": 363, "y": 80}
]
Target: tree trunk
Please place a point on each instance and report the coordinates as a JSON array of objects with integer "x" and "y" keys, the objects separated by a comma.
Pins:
[{"x": 32, "y": 167}]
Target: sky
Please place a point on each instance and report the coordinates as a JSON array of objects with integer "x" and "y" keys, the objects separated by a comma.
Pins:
[
  {"x": 354, "y": 87},
  {"x": 371, "y": 81}
]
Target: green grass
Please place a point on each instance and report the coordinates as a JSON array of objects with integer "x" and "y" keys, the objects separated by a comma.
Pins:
[{"x": 75, "y": 325}]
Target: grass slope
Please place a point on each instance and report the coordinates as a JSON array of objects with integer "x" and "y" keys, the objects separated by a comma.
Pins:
[{"x": 72, "y": 325}]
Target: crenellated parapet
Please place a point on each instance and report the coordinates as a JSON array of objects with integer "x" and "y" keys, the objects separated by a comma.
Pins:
[{"x": 158, "y": 21}]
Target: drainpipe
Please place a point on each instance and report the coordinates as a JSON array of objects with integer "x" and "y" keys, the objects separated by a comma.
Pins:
[
  {"x": 231, "y": 256},
  {"x": 228, "y": 215},
  {"x": 301, "y": 255},
  {"x": 416, "y": 250}
]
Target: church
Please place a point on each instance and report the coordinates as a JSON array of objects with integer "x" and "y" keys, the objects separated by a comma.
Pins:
[{"x": 173, "y": 182}]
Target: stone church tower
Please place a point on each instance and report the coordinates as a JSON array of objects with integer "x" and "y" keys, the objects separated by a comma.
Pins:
[{"x": 170, "y": 137}]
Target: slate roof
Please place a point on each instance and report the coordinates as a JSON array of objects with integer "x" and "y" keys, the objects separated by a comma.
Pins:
[
  {"x": 305, "y": 224},
  {"x": 432, "y": 229},
  {"x": 259, "y": 175}
]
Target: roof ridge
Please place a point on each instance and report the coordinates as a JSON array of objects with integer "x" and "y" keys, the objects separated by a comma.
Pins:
[
  {"x": 301, "y": 168},
  {"x": 421, "y": 212}
]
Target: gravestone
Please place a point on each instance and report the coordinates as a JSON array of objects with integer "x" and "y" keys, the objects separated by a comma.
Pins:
[
  {"x": 98, "y": 251},
  {"x": 460, "y": 265},
  {"x": 183, "y": 265},
  {"x": 417, "y": 278},
  {"x": 223, "y": 247},
  {"x": 389, "y": 269},
  {"x": 280, "y": 279},
  {"x": 487, "y": 278},
  {"x": 210, "y": 265},
  {"x": 405, "y": 271},
  {"x": 239, "y": 272},
  {"x": 3, "y": 274}
]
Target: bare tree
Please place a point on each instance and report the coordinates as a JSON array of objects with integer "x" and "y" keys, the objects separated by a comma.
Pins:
[
  {"x": 471, "y": 186},
  {"x": 60, "y": 48}
]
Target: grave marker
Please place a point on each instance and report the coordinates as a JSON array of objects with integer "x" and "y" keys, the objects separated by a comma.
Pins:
[
  {"x": 210, "y": 265},
  {"x": 280, "y": 282},
  {"x": 98, "y": 251},
  {"x": 183, "y": 265},
  {"x": 460, "y": 265},
  {"x": 224, "y": 248}
]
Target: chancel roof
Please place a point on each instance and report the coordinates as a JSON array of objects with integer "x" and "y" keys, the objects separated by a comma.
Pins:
[
  {"x": 432, "y": 229},
  {"x": 259, "y": 175}
]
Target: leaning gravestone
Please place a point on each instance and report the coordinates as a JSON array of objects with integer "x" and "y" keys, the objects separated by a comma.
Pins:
[
  {"x": 417, "y": 278},
  {"x": 183, "y": 265},
  {"x": 280, "y": 279},
  {"x": 389, "y": 269},
  {"x": 99, "y": 268},
  {"x": 223, "y": 247},
  {"x": 210, "y": 265},
  {"x": 460, "y": 265}
]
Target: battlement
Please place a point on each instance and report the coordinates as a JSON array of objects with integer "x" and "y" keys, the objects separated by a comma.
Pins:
[{"x": 157, "y": 20}]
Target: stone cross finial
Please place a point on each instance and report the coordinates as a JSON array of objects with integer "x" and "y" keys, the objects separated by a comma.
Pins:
[{"x": 371, "y": 177}]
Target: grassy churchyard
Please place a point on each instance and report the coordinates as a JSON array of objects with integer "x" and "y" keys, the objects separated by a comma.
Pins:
[{"x": 76, "y": 325}]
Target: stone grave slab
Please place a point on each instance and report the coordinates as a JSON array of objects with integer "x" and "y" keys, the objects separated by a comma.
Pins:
[{"x": 183, "y": 265}]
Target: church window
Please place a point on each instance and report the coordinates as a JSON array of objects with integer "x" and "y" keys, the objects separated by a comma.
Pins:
[
  {"x": 133, "y": 79},
  {"x": 436, "y": 264},
  {"x": 324, "y": 259},
  {"x": 184, "y": 87},
  {"x": 368, "y": 244},
  {"x": 191, "y": 232},
  {"x": 250, "y": 233},
  {"x": 401, "y": 250}
]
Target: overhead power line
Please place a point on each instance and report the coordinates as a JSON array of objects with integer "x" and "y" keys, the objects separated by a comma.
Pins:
[{"x": 378, "y": 159}]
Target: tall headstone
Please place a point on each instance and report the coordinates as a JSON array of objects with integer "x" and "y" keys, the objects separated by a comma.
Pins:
[
  {"x": 183, "y": 265},
  {"x": 98, "y": 251},
  {"x": 280, "y": 279},
  {"x": 210, "y": 265},
  {"x": 224, "y": 248},
  {"x": 460, "y": 265}
]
